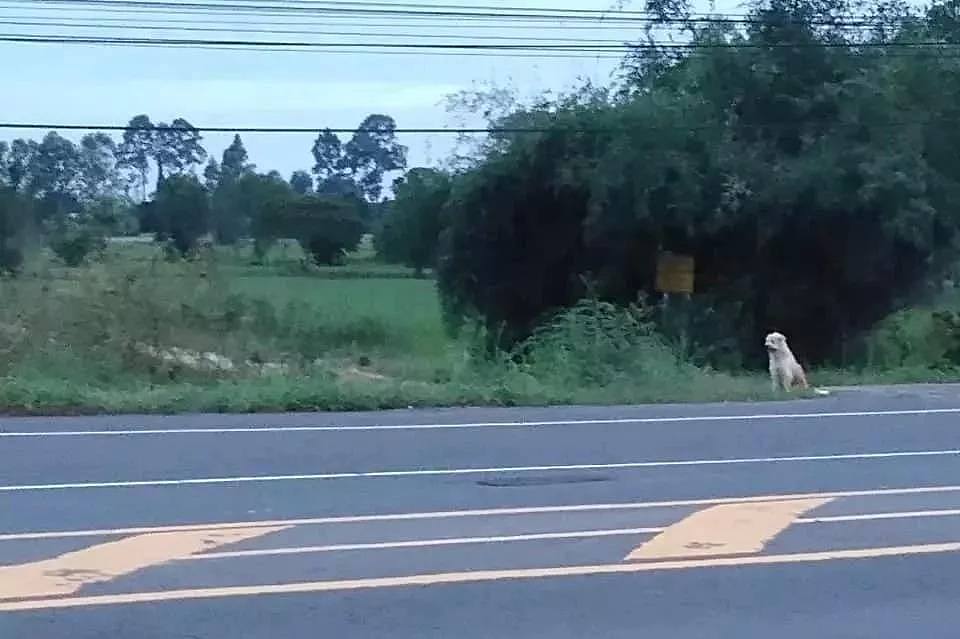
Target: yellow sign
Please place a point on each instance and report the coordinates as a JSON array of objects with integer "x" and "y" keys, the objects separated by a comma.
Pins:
[{"x": 675, "y": 273}]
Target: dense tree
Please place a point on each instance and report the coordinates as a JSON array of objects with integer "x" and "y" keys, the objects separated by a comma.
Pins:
[
  {"x": 229, "y": 203},
  {"x": 18, "y": 162},
  {"x": 359, "y": 167},
  {"x": 810, "y": 178},
  {"x": 56, "y": 167},
  {"x": 173, "y": 148},
  {"x": 177, "y": 148},
  {"x": 56, "y": 178},
  {"x": 211, "y": 174},
  {"x": 301, "y": 183},
  {"x": 325, "y": 227},
  {"x": 14, "y": 222},
  {"x": 410, "y": 232},
  {"x": 182, "y": 211},
  {"x": 234, "y": 162},
  {"x": 372, "y": 153},
  {"x": 137, "y": 148},
  {"x": 327, "y": 155},
  {"x": 99, "y": 177},
  {"x": 251, "y": 196}
]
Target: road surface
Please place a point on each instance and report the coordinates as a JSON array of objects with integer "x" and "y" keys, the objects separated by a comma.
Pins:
[{"x": 835, "y": 517}]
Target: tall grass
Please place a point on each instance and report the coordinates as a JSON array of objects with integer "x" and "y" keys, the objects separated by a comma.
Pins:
[{"x": 87, "y": 339}]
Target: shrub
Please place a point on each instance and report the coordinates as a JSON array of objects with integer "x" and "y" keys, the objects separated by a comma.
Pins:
[{"x": 73, "y": 241}]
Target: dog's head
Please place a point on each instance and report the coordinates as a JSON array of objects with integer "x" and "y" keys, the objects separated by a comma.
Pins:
[{"x": 775, "y": 342}]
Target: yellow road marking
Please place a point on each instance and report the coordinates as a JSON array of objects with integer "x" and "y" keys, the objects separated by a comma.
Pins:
[
  {"x": 452, "y": 514},
  {"x": 727, "y": 529},
  {"x": 471, "y": 577},
  {"x": 67, "y": 573}
]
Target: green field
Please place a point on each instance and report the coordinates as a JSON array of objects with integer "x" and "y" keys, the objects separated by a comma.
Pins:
[{"x": 387, "y": 316}]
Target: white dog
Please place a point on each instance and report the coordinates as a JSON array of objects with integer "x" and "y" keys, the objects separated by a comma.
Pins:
[{"x": 785, "y": 371}]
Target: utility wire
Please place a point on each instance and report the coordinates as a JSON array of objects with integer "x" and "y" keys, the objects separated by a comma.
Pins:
[
  {"x": 465, "y": 131},
  {"x": 594, "y": 48},
  {"x": 280, "y": 6},
  {"x": 493, "y": 22},
  {"x": 366, "y": 34}
]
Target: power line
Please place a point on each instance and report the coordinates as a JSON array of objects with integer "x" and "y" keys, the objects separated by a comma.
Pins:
[
  {"x": 306, "y": 20},
  {"x": 213, "y": 29},
  {"x": 382, "y": 9},
  {"x": 463, "y": 130},
  {"x": 546, "y": 55},
  {"x": 431, "y": 22},
  {"x": 594, "y": 48}
]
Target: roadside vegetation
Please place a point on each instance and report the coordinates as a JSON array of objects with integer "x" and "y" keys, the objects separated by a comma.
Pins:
[{"x": 812, "y": 177}]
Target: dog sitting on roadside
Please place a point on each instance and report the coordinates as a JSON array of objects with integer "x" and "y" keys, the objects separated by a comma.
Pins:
[{"x": 785, "y": 371}]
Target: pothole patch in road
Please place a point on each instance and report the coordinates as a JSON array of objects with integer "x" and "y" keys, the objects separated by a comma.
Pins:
[{"x": 542, "y": 480}]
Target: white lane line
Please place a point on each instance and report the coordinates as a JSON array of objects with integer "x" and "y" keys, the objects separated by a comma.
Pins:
[
  {"x": 420, "y": 543},
  {"x": 425, "y": 472},
  {"x": 476, "y": 425},
  {"x": 906, "y": 514},
  {"x": 580, "y": 534},
  {"x": 479, "y": 512}
]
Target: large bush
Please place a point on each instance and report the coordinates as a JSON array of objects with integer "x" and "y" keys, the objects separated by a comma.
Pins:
[
  {"x": 182, "y": 211},
  {"x": 73, "y": 240},
  {"x": 814, "y": 184},
  {"x": 325, "y": 227},
  {"x": 15, "y": 215},
  {"x": 410, "y": 232}
]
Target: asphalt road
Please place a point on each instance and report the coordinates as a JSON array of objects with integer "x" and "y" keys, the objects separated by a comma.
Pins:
[{"x": 835, "y": 517}]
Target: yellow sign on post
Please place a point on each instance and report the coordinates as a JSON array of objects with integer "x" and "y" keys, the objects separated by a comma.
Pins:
[{"x": 675, "y": 273}]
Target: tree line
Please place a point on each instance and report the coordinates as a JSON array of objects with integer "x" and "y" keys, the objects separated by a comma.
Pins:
[{"x": 71, "y": 195}]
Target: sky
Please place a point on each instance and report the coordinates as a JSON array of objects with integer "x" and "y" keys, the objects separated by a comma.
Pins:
[
  {"x": 70, "y": 83},
  {"x": 84, "y": 84}
]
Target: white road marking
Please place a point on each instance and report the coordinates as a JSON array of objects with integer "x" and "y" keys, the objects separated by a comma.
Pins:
[
  {"x": 485, "y": 512},
  {"x": 420, "y": 543},
  {"x": 579, "y": 534},
  {"x": 493, "y": 470},
  {"x": 475, "y": 425},
  {"x": 906, "y": 514}
]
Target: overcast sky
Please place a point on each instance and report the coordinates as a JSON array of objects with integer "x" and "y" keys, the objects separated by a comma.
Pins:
[{"x": 96, "y": 84}]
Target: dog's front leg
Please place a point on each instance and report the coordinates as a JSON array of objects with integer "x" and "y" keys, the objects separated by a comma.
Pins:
[{"x": 775, "y": 382}]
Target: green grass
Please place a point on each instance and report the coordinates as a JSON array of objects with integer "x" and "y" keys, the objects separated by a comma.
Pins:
[
  {"x": 399, "y": 316},
  {"x": 69, "y": 340}
]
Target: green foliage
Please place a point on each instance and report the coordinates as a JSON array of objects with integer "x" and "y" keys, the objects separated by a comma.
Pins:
[
  {"x": 325, "y": 227},
  {"x": 114, "y": 215},
  {"x": 301, "y": 183},
  {"x": 358, "y": 167},
  {"x": 182, "y": 211},
  {"x": 410, "y": 232},
  {"x": 234, "y": 162},
  {"x": 237, "y": 193},
  {"x": 14, "y": 222},
  {"x": 947, "y": 324},
  {"x": 785, "y": 170},
  {"x": 595, "y": 343},
  {"x": 173, "y": 148},
  {"x": 74, "y": 239}
]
